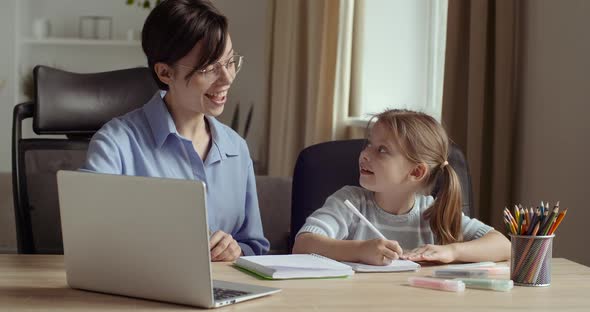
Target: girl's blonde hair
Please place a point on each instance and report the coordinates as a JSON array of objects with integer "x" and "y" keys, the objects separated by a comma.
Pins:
[{"x": 422, "y": 139}]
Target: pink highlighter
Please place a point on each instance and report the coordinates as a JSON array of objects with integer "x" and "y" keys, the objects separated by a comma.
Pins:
[{"x": 438, "y": 284}]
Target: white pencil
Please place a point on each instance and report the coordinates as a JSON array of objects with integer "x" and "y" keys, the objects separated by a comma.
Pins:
[{"x": 360, "y": 215}]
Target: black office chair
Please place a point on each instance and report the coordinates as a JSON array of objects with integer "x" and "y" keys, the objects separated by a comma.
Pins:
[
  {"x": 73, "y": 107},
  {"x": 324, "y": 168}
]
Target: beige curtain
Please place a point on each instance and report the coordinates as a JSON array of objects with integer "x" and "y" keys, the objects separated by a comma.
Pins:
[
  {"x": 310, "y": 77},
  {"x": 479, "y": 104}
]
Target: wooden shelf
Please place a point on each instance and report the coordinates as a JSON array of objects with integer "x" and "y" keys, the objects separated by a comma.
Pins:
[{"x": 79, "y": 42}]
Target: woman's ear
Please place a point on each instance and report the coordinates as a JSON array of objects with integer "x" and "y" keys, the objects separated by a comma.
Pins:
[
  {"x": 164, "y": 72},
  {"x": 419, "y": 172}
]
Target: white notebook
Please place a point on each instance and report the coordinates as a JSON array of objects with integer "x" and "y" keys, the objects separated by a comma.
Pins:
[
  {"x": 294, "y": 266},
  {"x": 394, "y": 266}
]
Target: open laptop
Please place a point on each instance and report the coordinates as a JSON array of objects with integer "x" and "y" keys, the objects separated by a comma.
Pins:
[{"x": 142, "y": 237}]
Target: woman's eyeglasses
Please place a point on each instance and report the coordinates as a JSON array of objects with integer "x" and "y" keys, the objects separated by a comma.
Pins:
[{"x": 212, "y": 72}]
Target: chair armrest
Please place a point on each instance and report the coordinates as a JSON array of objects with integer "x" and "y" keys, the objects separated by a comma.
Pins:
[{"x": 21, "y": 112}]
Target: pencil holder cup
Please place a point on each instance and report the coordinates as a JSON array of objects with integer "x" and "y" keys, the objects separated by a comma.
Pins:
[{"x": 530, "y": 260}]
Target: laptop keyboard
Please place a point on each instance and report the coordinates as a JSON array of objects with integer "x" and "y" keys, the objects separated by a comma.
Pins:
[{"x": 222, "y": 293}]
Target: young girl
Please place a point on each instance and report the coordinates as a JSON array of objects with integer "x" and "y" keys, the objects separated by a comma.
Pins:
[{"x": 405, "y": 153}]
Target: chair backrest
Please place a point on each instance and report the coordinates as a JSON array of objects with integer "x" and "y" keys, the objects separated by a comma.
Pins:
[
  {"x": 274, "y": 200},
  {"x": 324, "y": 168},
  {"x": 72, "y": 107}
]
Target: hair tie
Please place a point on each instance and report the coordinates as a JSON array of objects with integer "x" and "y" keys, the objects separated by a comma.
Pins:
[{"x": 444, "y": 164}]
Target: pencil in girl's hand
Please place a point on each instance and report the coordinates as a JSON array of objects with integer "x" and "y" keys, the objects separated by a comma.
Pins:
[{"x": 350, "y": 206}]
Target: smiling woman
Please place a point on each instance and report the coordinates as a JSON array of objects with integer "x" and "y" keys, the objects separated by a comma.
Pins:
[{"x": 176, "y": 133}]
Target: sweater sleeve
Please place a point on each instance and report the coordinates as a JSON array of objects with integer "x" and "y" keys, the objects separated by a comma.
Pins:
[
  {"x": 333, "y": 219},
  {"x": 473, "y": 228}
]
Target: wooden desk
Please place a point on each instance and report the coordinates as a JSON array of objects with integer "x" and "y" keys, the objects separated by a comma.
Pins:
[{"x": 37, "y": 283}]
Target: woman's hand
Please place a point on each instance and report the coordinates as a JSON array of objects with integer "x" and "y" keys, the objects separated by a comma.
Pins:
[
  {"x": 434, "y": 253},
  {"x": 379, "y": 251},
  {"x": 224, "y": 247}
]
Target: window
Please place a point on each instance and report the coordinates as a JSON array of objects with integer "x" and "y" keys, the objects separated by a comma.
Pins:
[{"x": 399, "y": 56}]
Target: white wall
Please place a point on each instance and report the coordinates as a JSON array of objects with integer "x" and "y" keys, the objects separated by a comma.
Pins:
[
  {"x": 250, "y": 24},
  {"x": 554, "y": 149},
  {"x": 7, "y": 234}
]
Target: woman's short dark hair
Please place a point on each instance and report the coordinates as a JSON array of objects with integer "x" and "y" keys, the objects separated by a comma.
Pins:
[{"x": 174, "y": 27}]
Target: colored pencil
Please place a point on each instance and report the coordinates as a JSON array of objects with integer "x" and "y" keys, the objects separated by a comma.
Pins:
[{"x": 558, "y": 221}]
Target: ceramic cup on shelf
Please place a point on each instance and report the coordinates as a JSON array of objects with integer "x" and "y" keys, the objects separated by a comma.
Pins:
[
  {"x": 95, "y": 27},
  {"x": 41, "y": 28}
]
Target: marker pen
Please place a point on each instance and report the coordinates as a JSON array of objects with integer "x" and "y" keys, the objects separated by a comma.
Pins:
[
  {"x": 482, "y": 283},
  {"x": 449, "y": 273},
  {"x": 438, "y": 284}
]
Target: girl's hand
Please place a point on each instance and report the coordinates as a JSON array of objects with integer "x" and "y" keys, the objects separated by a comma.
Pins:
[
  {"x": 434, "y": 253},
  {"x": 379, "y": 251},
  {"x": 224, "y": 247}
]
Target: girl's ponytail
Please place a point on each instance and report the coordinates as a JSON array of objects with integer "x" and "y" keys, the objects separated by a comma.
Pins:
[{"x": 445, "y": 213}]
